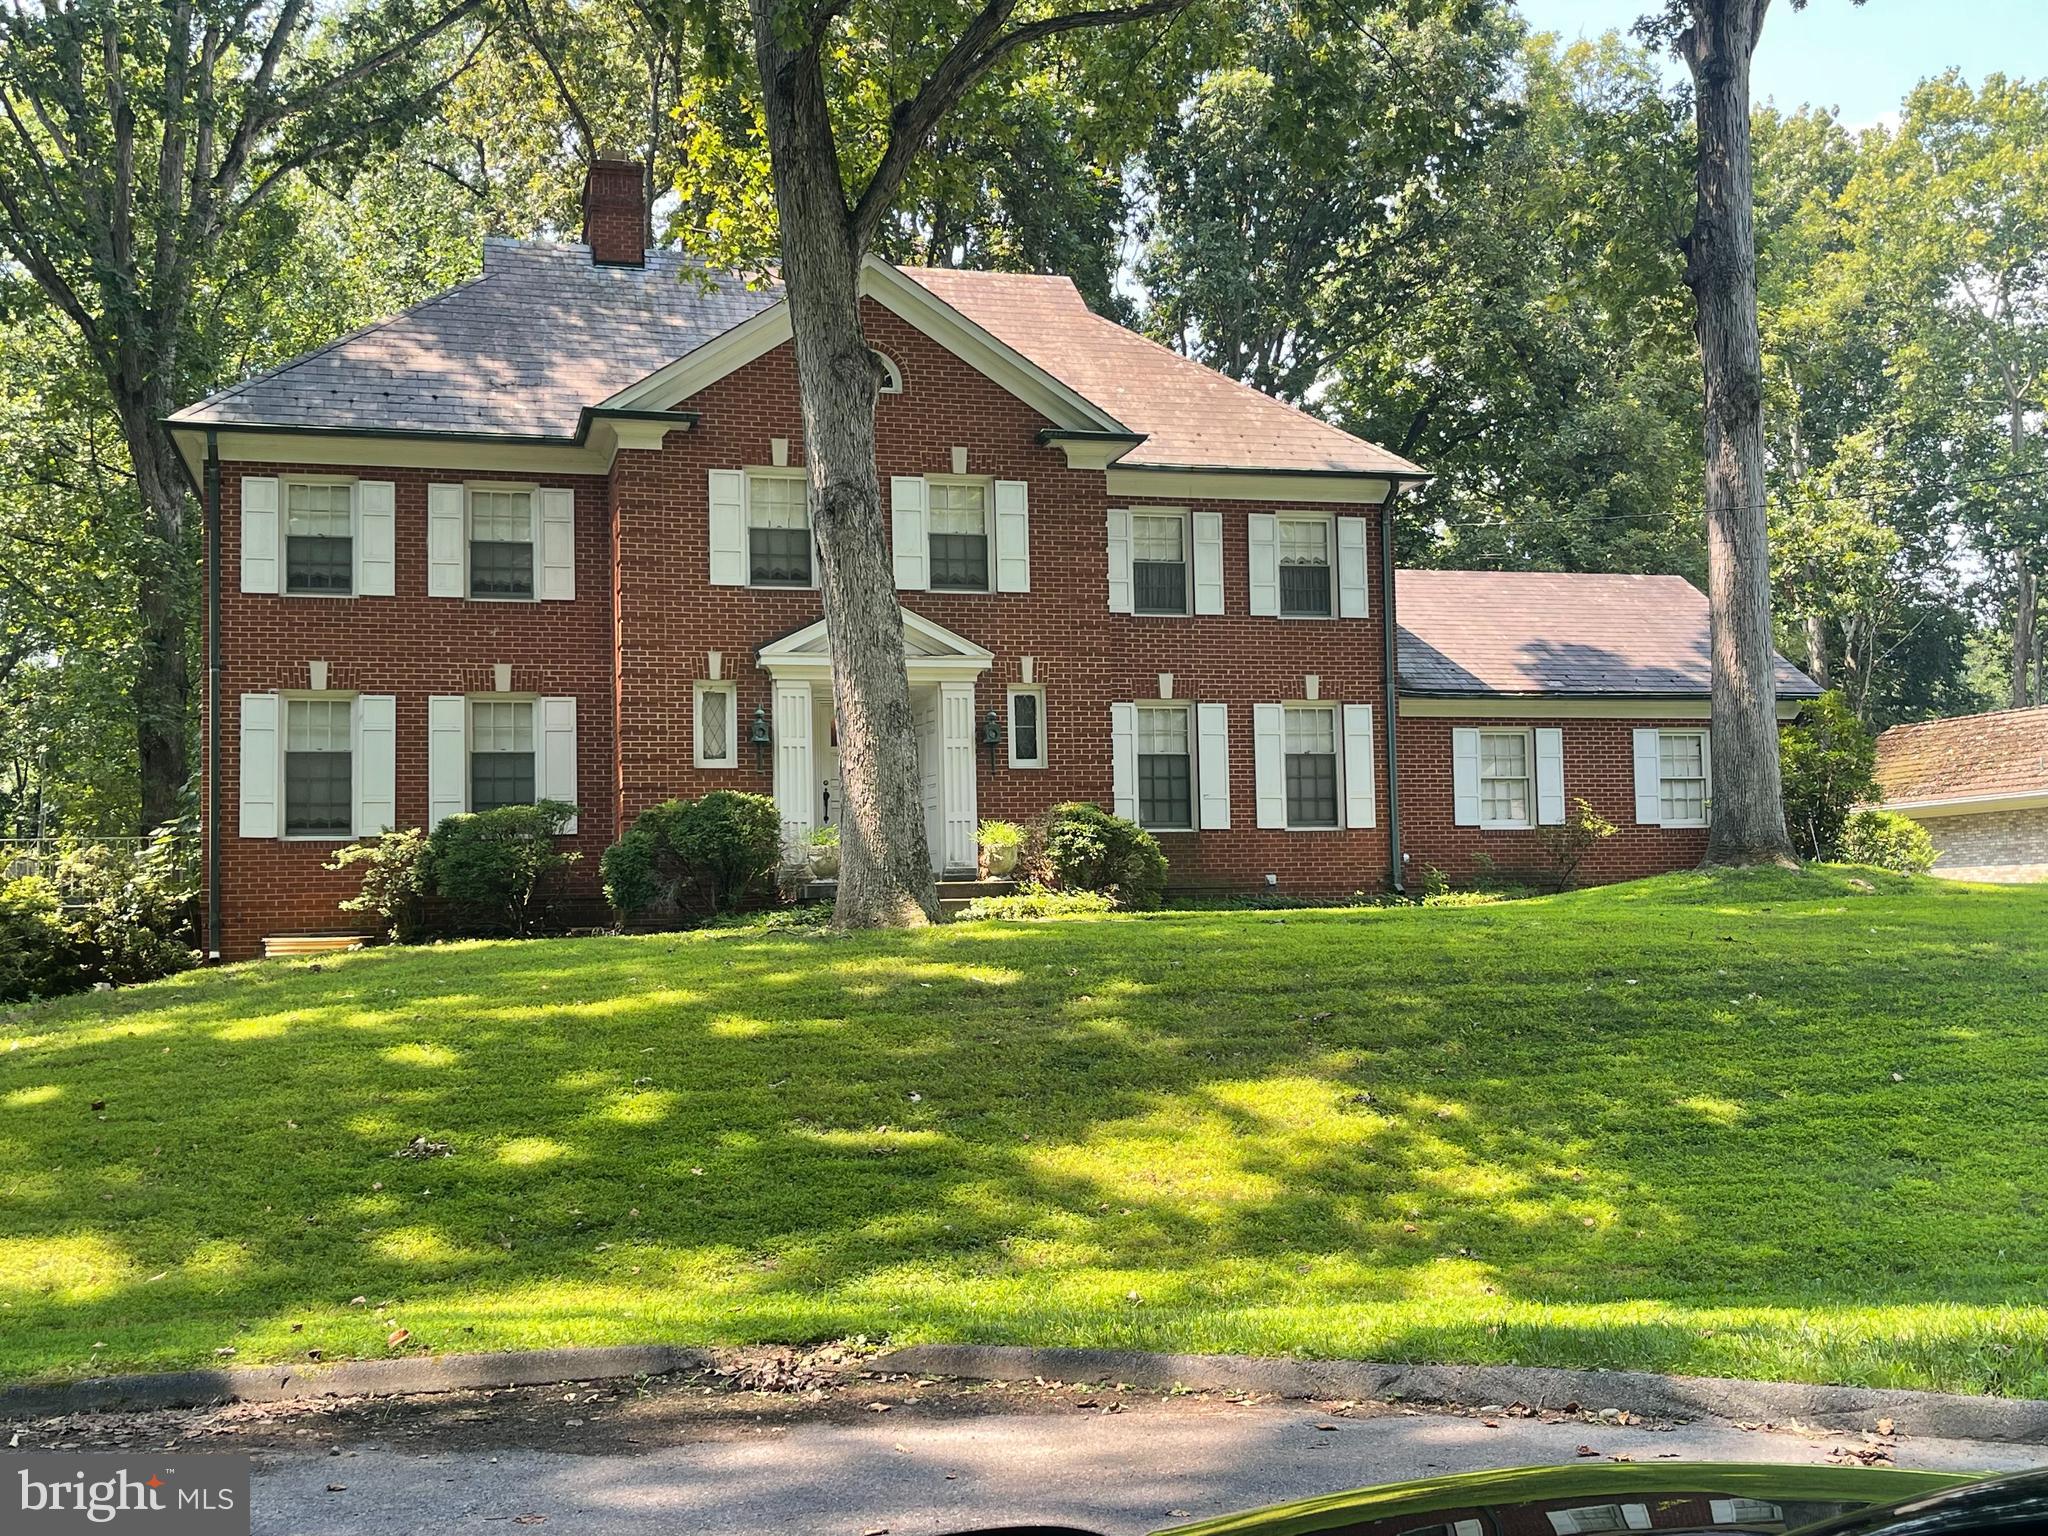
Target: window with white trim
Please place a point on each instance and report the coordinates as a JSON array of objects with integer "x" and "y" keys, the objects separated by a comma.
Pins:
[
  {"x": 319, "y": 538},
  {"x": 892, "y": 376},
  {"x": 778, "y": 531},
  {"x": 1306, "y": 566},
  {"x": 959, "y": 535},
  {"x": 1682, "y": 778},
  {"x": 1590, "y": 1518},
  {"x": 1027, "y": 727},
  {"x": 1311, "y": 747},
  {"x": 1506, "y": 778},
  {"x": 501, "y": 541},
  {"x": 1166, "y": 768},
  {"x": 502, "y": 766},
  {"x": 319, "y": 768},
  {"x": 1159, "y": 562},
  {"x": 715, "y": 712}
]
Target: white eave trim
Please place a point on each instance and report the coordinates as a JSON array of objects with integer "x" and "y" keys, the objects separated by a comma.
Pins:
[
  {"x": 1263, "y": 485},
  {"x": 510, "y": 454},
  {"x": 796, "y": 658},
  {"x": 1532, "y": 706},
  {"x": 1971, "y": 805}
]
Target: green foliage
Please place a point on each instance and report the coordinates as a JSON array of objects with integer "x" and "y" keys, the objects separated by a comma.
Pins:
[
  {"x": 494, "y": 865},
  {"x": 728, "y": 842},
  {"x": 998, "y": 836},
  {"x": 396, "y": 881},
  {"x": 134, "y": 915},
  {"x": 1827, "y": 758},
  {"x": 1036, "y": 901},
  {"x": 39, "y": 955},
  {"x": 1887, "y": 840},
  {"x": 824, "y": 837},
  {"x": 1567, "y": 843},
  {"x": 1084, "y": 848}
]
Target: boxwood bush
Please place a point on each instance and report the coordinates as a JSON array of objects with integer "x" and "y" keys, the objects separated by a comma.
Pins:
[
  {"x": 723, "y": 845},
  {"x": 1082, "y": 847}
]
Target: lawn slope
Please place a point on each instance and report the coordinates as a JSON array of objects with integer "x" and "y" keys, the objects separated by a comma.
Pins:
[{"x": 1762, "y": 1125}]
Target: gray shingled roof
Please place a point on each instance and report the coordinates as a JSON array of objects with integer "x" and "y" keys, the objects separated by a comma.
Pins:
[
  {"x": 1547, "y": 632},
  {"x": 520, "y": 350},
  {"x": 545, "y": 333}
]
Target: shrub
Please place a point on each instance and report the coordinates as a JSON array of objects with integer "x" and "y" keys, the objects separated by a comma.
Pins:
[
  {"x": 1828, "y": 760},
  {"x": 825, "y": 836},
  {"x": 132, "y": 917},
  {"x": 996, "y": 836},
  {"x": 495, "y": 863},
  {"x": 1568, "y": 842},
  {"x": 727, "y": 840},
  {"x": 1887, "y": 840},
  {"x": 39, "y": 957},
  {"x": 396, "y": 880},
  {"x": 1035, "y": 901},
  {"x": 1084, "y": 848}
]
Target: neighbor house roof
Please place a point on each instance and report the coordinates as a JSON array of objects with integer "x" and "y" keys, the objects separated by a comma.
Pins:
[
  {"x": 1969, "y": 758},
  {"x": 1545, "y": 632},
  {"x": 545, "y": 333}
]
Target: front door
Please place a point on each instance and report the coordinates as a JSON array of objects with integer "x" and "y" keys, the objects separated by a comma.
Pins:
[
  {"x": 825, "y": 757},
  {"x": 924, "y": 716}
]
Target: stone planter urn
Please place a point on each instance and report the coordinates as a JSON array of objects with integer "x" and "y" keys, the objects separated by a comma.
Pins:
[
  {"x": 824, "y": 859},
  {"x": 999, "y": 862}
]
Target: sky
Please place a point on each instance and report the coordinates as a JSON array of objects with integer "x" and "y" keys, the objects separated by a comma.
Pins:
[{"x": 1860, "y": 59}]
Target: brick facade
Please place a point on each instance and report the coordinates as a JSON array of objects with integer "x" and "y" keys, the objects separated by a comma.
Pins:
[
  {"x": 2006, "y": 846},
  {"x": 645, "y": 616}
]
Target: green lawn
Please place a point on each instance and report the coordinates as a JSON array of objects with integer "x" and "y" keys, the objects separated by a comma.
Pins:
[{"x": 1768, "y": 1125}]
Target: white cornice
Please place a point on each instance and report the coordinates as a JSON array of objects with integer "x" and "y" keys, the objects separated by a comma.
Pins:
[
  {"x": 1971, "y": 805},
  {"x": 1522, "y": 706},
  {"x": 1262, "y": 485}
]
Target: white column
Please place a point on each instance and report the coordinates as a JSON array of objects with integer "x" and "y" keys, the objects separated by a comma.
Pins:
[
  {"x": 958, "y": 820},
  {"x": 794, "y": 791}
]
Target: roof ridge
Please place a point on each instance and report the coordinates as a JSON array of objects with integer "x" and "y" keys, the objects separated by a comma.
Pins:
[{"x": 1982, "y": 714}]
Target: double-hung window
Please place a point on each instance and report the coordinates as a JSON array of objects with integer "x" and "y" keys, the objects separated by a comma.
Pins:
[
  {"x": 319, "y": 768},
  {"x": 959, "y": 535},
  {"x": 319, "y": 540},
  {"x": 1506, "y": 788},
  {"x": 1311, "y": 765},
  {"x": 501, "y": 756},
  {"x": 1027, "y": 727},
  {"x": 778, "y": 531},
  {"x": 1305, "y": 567},
  {"x": 1159, "y": 562},
  {"x": 1682, "y": 778},
  {"x": 1166, "y": 778},
  {"x": 501, "y": 539}
]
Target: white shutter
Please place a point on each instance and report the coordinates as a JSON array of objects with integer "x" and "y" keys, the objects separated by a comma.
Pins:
[
  {"x": 445, "y": 540},
  {"x": 1119, "y": 560},
  {"x": 958, "y": 821},
  {"x": 557, "y": 545},
  {"x": 1549, "y": 777},
  {"x": 1208, "y": 562},
  {"x": 1465, "y": 777},
  {"x": 1649, "y": 779},
  {"x": 447, "y": 757},
  {"x": 1212, "y": 769},
  {"x": 910, "y": 533},
  {"x": 557, "y": 748},
  {"x": 1358, "y": 785},
  {"x": 728, "y": 528},
  {"x": 260, "y": 760},
  {"x": 1352, "y": 599},
  {"x": 1013, "y": 536},
  {"x": 1269, "y": 763},
  {"x": 1123, "y": 760},
  {"x": 262, "y": 570},
  {"x": 376, "y": 538},
  {"x": 795, "y": 784},
  {"x": 376, "y": 764},
  {"x": 1263, "y": 535}
]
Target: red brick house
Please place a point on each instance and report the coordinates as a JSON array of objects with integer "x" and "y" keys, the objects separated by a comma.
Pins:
[
  {"x": 1979, "y": 784},
  {"x": 545, "y": 535}
]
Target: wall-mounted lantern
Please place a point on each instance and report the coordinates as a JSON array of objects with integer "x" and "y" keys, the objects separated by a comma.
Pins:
[
  {"x": 761, "y": 739},
  {"x": 992, "y": 735}
]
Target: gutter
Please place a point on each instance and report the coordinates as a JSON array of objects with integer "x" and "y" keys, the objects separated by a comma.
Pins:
[
  {"x": 210, "y": 496},
  {"x": 1390, "y": 646}
]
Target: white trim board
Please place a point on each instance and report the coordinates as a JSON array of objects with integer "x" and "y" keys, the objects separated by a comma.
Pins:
[
  {"x": 1531, "y": 707},
  {"x": 1268, "y": 486},
  {"x": 803, "y": 657},
  {"x": 1970, "y": 805}
]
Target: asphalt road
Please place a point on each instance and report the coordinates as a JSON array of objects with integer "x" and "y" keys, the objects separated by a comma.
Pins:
[{"x": 923, "y": 1467}]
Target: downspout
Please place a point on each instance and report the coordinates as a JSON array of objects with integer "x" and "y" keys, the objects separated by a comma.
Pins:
[
  {"x": 211, "y": 495},
  {"x": 1390, "y": 648}
]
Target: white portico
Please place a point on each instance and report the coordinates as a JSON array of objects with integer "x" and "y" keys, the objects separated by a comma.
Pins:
[{"x": 942, "y": 668}]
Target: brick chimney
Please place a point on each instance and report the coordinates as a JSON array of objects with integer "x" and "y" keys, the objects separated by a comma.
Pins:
[{"x": 615, "y": 211}]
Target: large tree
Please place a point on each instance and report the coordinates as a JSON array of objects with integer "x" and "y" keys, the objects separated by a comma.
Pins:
[
  {"x": 836, "y": 186},
  {"x": 140, "y": 138}
]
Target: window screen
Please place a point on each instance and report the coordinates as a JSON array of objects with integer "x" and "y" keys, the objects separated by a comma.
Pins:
[
  {"x": 1165, "y": 774},
  {"x": 501, "y": 758},
  {"x": 1027, "y": 730},
  {"x": 1304, "y": 567},
  {"x": 1504, "y": 778},
  {"x": 778, "y": 531},
  {"x": 1311, "y": 767},
  {"x": 959, "y": 536},
  {"x": 1682, "y": 776},
  {"x": 319, "y": 542},
  {"x": 500, "y": 543},
  {"x": 319, "y": 799},
  {"x": 1159, "y": 563}
]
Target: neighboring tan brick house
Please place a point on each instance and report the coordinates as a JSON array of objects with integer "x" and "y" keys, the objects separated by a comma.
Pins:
[
  {"x": 545, "y": 535},
  {"x": 1979, "y": 784}
]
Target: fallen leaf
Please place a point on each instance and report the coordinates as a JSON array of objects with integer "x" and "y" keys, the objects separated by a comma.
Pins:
[
  {"x": 337, "y": 1487},
  {"x": 1884, "y": 1426},
  {"x": 398, "y": 1336},
  {"x": 1587, "y": 1450}
]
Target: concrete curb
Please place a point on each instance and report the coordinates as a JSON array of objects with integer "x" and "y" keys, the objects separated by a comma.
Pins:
[
  {"x": 1941, "y": 1415},
  {"x": 345, "y": 1378}
]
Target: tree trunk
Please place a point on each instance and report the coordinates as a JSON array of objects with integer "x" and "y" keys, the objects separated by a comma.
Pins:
[
  {"x": 885, "y": 866},
  {"x": 1817, "y": 647},
  {"x": 1748, "y": 810},
  {"x": 2025, "y": 644},
  {"x": 162, "y": 689}
]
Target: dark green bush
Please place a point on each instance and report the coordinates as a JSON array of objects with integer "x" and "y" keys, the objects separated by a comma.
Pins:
[
  {"x": 100, "y": 914},
  {"x": 1082, "y": 847},
  {"x": 1889, "y": 841},
  {"x": 39, "y": 957},
  {"x": 1828, "y": 759},
  {"x": 495, "y": 865},
  {"x": 726, "y": 843},
  {"x": 396, "y": 881}
]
